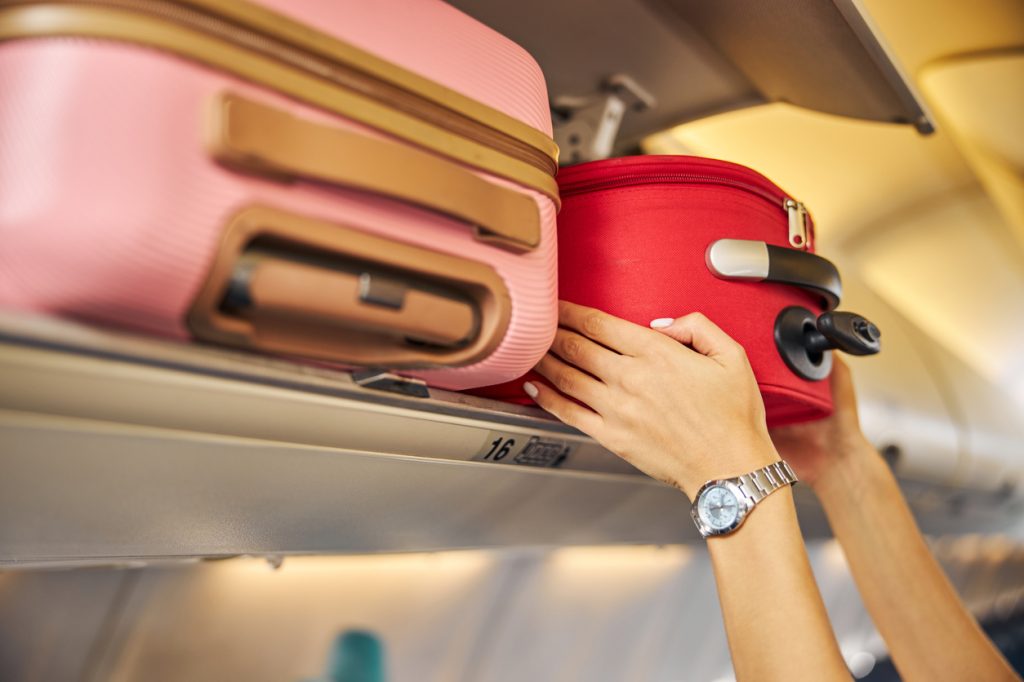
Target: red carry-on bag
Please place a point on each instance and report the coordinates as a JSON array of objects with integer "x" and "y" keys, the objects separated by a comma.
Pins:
[{"x": 662, "y": 236}]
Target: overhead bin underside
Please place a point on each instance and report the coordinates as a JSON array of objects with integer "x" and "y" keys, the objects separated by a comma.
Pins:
[{"x": 686, "y": 59}]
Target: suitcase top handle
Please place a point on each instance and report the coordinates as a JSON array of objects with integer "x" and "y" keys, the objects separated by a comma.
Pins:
[
  {"x": 291, "y": 58},
  {"x": 261, "y": 139},
  {"x": 755, "y": 261}
]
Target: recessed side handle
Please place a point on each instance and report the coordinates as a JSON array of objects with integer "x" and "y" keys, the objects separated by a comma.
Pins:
[
  {"x": 301, "y": 286},
  {"x": 756, "y": 261},
  {"x": 271, "y": 289},
  {"x": 260, "y": 139}
]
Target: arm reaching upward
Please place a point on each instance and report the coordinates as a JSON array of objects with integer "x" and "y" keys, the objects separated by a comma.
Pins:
[
  {"x": 929, "y": 632},
  {"x": 683, "y": 406}
]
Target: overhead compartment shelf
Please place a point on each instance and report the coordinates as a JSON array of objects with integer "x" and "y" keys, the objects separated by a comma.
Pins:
[
  {"x": 117, "y": 448},
  {"x": 114, "y": 447}
]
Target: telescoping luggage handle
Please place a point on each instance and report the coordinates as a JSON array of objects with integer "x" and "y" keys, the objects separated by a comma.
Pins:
[
  {"x": 300, "y": 286},
  {"x": 802, "y": 338},
  {"x": 257, "y": 138}
]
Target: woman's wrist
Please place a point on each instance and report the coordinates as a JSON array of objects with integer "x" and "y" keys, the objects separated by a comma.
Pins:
[
  {"x": 730, "y": 461},
  {"x": 851, "y": 466}
]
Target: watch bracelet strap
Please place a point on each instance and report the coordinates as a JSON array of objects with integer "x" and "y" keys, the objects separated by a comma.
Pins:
[{"x": 759, "y": 484}]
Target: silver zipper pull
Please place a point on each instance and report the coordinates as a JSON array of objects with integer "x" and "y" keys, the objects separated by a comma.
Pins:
[{"x": 797, "y": 224}]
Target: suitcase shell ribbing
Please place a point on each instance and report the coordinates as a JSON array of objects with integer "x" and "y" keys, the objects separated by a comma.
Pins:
[
  {"x": 635, "y": 234},
  {"x": 112, "y": 208}
]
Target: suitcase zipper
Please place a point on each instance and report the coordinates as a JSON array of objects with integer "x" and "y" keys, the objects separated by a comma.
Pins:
[
  {"x": 796, "y": 212},
  {"x": 798, "y": 233},
  {"x": 346, "y": 75}
]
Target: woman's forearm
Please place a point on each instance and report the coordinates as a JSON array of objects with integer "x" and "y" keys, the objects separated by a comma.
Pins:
[
  {"x": 774, "y": 617},
  {"x": 929, "y": 632},
  {"x": 682, "y": 405}
]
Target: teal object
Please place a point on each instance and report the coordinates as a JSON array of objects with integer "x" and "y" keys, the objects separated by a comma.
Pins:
[{"x": 356, "y": 656}]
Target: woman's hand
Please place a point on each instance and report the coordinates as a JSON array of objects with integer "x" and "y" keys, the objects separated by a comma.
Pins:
[
  {"x": 680, "y": 403},
  {"x": 815, "y": 448}
]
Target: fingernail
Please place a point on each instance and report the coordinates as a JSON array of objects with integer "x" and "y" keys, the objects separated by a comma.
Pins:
[
  {"x": 662, "y": 322},
  {"x": 530, "y": 389}
]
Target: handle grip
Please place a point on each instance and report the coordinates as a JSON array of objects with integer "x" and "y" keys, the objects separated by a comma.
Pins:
[
  {"x": 804, "y": 341},
  {"x": 844, "y": 331},
  {"x": 756, "y": 261},
  {"x": 257, "y": 138},
  {"x": 269, "y": 289},
  {"x": 300, "y": 286}
]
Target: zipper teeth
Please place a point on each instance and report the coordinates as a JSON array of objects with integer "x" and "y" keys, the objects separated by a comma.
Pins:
[
  {"x": 680, "y": 178},
  {"x": 344, "y": 75}
]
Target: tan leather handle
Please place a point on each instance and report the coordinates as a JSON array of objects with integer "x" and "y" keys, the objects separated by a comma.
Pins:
[
  {"x": 262, "y": 139},
  {"x": 286, "y": 292},
  {"x": 286, "y": 283}
]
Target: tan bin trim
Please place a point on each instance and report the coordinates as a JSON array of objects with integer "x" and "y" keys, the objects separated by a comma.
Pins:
[
  {"x": 263, "y": 139},
  {"x": 296, "y": 326},
  {"x": 303, "y": 75}
]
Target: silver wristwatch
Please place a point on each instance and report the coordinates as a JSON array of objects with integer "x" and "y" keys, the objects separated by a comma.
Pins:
[{"x": 722, "y": 505}]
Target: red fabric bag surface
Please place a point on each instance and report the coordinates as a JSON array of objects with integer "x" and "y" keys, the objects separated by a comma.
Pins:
[{"x": 633, "y": 237}]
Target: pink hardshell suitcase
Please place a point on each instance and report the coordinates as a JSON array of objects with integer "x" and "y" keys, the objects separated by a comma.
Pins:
[{"x": 367, "y": 183}]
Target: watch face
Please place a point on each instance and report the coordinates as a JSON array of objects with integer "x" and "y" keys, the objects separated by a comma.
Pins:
[{"x": 718, "y": 507}]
